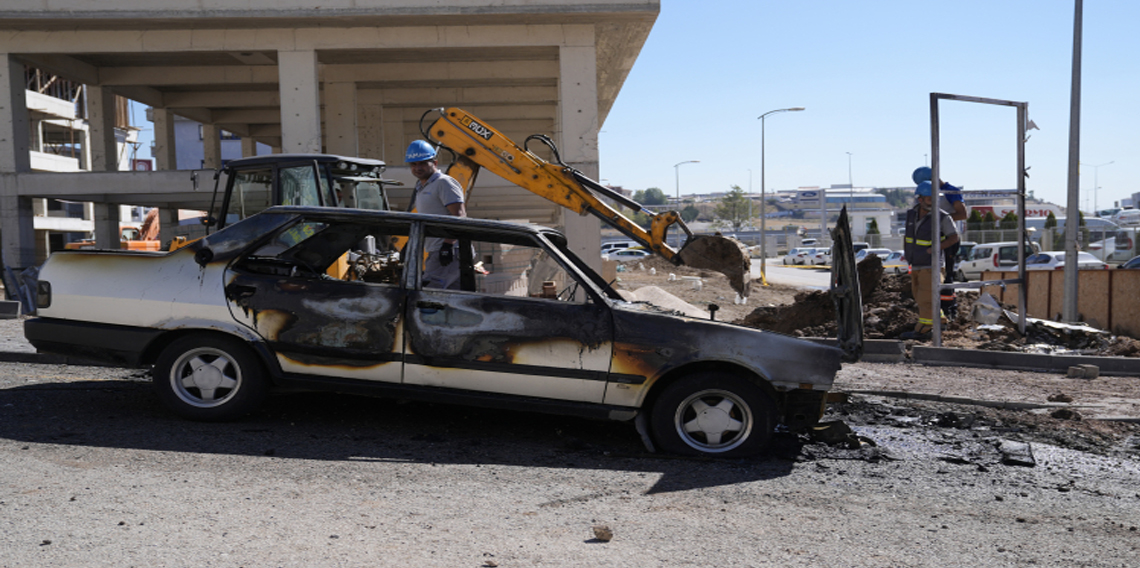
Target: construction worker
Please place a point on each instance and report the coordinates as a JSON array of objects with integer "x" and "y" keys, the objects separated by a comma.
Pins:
[
  {"x": 918, "y": 245},
  {"x": 949, "y": 199},
  {"x": 436, "y": 193}
]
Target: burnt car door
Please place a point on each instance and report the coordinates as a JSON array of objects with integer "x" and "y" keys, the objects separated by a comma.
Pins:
[
  {"x": 523, "y": 321},
  {"x": 846, "y": 292},
  {"x": 316, "y": 324}
]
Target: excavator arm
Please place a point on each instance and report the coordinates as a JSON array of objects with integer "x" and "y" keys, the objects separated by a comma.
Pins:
[{"x": 477, "y": 144}]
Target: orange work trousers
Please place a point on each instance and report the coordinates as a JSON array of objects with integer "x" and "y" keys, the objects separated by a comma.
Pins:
[{"x": 921, "y": 281}]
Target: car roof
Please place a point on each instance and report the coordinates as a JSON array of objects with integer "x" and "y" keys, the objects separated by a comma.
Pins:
[{"x": 300, "y": 157}]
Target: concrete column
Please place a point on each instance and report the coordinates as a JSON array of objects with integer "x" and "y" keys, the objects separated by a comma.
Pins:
[
  {"x": 248, "y": 147},
  {"x": 340, "y": 119},
  {"x": 165, "y": 152},
  {"x": 107, "y": 226},
  {"x": 578, "y": 141},
  {"x": 18, "y": 247},
  {"x": 300, "y": 101},
  {"x": 167, "y": 221},
  {"x": 101, "y": 124},
  {"x": 212, "y": 145}
]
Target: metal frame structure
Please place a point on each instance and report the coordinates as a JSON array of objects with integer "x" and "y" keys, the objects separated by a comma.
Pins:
[{"x": 1022, "y": 237}]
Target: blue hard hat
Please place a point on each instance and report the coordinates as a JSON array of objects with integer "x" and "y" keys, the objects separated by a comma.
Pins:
[
  {"x": 923, "y": 189},
  {"x": 921, "y": 174},
  {"x": 419, "y": 151}
]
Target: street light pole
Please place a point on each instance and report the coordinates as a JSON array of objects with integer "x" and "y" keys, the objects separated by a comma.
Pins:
[
  {"x": 677, "y": 170},
  {"x": 1096, "y": 181},
  {"x": 764, "y": 197}
]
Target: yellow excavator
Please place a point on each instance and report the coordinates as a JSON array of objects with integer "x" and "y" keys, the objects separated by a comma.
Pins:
[{"x": 477, "y": 145}]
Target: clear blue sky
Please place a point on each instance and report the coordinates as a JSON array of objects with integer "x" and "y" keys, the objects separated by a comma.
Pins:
[{"x": 864, "y": 71}]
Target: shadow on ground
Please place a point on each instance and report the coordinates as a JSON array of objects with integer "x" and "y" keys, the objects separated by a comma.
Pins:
[{"x": 319, "y": 426}]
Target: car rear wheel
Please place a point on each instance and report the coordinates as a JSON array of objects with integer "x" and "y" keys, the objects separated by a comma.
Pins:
[
  {"x": 209, "y": 378},
  {"x": 713, "y": 414}
]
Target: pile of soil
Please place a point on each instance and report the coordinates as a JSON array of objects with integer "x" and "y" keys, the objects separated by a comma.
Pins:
[{"x": 889, "y": 310}]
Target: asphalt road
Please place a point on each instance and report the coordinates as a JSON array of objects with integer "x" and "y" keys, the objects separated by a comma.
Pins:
[{"x": 94, "y": 473}]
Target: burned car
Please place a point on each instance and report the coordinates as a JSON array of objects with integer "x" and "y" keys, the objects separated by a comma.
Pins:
[{"x": 255, "y": 308}]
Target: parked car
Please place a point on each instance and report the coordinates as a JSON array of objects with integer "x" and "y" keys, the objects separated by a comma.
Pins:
[
  {"x": 991, "y": 256},
  {"x": 1056, "y": 261},
  {"x": 617, "y": 245},
  {"x": 858, "y": 246},
  {"x": 822, "y": 257},
  {"x": 251, "y": 308},
  {"x": 964, "y": 249},
  {"x": 896, "y": 263},
  {"x": 628, "y": 254},
  {"x": 882, "y": 253},
  {"x": 799, "y": 256},
  {"x": 1132, "y": 264}
]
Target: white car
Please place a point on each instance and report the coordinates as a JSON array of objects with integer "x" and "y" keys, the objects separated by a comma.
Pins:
[
  {"x": 260, "y": 306},
  {"x": 799, "y": 256},
  {"x": 896, "y": 263},
  {"x": 1056, "y": 261},
  {"x": 628, "y": 254},
  {"x": 822, "y": 257},
  {"x": 990, "y": 256}
]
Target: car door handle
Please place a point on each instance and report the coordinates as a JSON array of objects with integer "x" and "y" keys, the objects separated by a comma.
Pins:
[{"x": 430, "y": 305}]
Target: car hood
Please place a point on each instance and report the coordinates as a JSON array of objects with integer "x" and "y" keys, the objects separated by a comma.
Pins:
[{"x": 654, "y": 342}]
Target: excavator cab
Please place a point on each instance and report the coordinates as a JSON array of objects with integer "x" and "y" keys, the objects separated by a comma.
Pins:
[{"x": 321, "y": 180}]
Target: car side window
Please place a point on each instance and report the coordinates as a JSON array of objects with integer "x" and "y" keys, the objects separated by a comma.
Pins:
[
  {"x": 329, "y": 250},
  {"x": 515, "y": 265}
]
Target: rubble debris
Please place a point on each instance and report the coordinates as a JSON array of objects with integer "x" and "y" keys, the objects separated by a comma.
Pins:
[
  {"x": 1066, "y": 414},
  {"x": 1084, "y": 372},
  {"x": 1016, "y": 453},
  {"x": 603, "y": 533},
  {"x": 1059, "y": 397},
  {"x": 889, "y": 310}
]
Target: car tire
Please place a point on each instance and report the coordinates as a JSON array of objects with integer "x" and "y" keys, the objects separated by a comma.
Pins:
[
  {"x": 210, "y": 378},
  {"x": 713, "y": 414},
  {"x": 961, "y": 276}
]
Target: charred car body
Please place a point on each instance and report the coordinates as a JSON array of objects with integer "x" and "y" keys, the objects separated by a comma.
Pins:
[{"x": 251, "y": 308}]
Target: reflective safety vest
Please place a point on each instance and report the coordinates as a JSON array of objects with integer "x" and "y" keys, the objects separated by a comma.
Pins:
[{"x": 918, "y": 237}]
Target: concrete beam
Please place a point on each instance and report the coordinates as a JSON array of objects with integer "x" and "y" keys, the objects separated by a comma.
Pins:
[
  {"x": 65, "y": 66},
  {"x": 190, "y": 75},
  {"x": 221, "y": 99}
]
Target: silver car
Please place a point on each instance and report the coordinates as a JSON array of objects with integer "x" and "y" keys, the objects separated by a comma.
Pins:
[{"x": 334, "y": 300}]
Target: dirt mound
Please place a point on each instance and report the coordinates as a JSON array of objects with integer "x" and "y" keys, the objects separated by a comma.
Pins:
[
  {"x": 889, "y": 310},
  {"x": 724, "y": 255}
]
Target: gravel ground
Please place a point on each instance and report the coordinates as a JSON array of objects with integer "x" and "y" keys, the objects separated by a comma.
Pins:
[{"x": 94, "y": 473}]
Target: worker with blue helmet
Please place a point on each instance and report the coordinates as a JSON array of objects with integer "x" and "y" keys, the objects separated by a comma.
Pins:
[
  {"x": 918, "y": 245},
  {"x": 436, "y": 193}
]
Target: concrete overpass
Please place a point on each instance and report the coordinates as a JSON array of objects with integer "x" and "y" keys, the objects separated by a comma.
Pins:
[{"x": 350, "y": 77}]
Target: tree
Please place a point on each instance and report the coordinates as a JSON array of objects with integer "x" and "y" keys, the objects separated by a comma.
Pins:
[
  {"x": 1051, "y": 229},
  {"x": 690, "y": 213},
  {"x": 975, "y": 222},
  {"x": 651, "y": 196},
  {"x": 873, "y": 233},
  {"x": 734, "y": 208}
]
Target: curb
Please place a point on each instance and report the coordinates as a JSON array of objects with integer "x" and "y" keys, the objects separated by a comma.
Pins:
[{"x": 1119, "y": 366}]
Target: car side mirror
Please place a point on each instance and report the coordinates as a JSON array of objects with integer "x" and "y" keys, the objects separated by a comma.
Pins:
[
  {"x": 209, "y": 221},
  {"x": 203, "y": 256}
]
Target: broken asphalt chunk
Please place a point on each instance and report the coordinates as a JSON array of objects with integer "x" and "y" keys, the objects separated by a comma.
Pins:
[{"x": 1016, "y": 453}]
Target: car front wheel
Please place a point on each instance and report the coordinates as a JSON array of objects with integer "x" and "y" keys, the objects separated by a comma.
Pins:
[
  {"x": 713, "y": 414},
  {"x": 961, "y": 276},
  {"x": 209, "y": 378}
]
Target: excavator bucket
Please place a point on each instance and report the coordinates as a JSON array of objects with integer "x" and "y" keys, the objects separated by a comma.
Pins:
[{"x": 721, "y": 254}]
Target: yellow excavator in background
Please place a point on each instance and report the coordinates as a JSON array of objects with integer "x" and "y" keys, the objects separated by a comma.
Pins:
[{"x": 476, "y": 144}]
